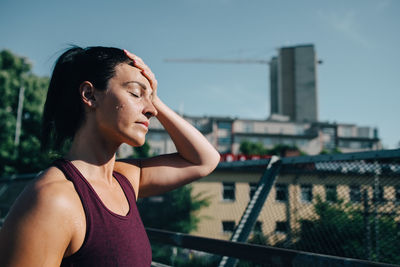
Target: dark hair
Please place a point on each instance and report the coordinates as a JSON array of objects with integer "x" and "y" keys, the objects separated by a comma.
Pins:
[{"x": 63, "y": 111}]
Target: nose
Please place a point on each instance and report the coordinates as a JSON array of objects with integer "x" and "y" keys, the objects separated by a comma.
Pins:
[{"x": 149, "y": 109}]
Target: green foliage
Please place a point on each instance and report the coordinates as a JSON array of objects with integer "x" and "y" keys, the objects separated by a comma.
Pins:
[
  {"x": 142, "y": 151},
  {"x": 333, "y": 151},
  {"x": 250, "y": 148},
  {"x": 281, "y": 150},
  {"x": 15, "y": 72},
  {"x": 258, "y": 238},
  {"x": 340, "y": 230},
  {"x": 173, "y": 211}
]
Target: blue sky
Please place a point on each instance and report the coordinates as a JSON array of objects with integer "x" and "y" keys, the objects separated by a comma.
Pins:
[{"x": 358, "y": 41}]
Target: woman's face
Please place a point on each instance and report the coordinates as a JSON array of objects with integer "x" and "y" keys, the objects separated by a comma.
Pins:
[{"x": 124, "y": 109}]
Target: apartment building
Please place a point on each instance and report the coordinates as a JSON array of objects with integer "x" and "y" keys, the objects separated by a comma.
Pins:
[
  {"x": 226, "y": 134},
  {"x": 358, "y": 184}
]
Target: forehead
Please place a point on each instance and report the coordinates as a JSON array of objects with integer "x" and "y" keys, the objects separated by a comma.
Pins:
[{"x": 127, "y": 73}]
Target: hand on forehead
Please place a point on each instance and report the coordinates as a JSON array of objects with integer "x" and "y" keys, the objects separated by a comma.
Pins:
[{"x": 145, "y": 70}]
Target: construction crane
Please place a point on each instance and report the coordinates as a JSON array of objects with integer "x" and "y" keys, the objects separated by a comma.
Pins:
[{"x": 222, "y": 61}]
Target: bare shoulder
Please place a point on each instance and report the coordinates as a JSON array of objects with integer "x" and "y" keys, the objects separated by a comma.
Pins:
[
  {"x": 40, "y": 222},
  {"x": 50, "y": 195},
  {"x": 127, "y": 165},
  {"x": 130, "y": 168},
  {"x": 50, "y": 190}
]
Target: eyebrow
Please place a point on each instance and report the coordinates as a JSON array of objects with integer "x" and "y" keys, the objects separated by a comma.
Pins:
[{"x": 139, "y": 83}]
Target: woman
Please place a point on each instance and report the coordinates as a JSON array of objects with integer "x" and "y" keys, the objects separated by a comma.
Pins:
[{"x": 81, "y": 211}]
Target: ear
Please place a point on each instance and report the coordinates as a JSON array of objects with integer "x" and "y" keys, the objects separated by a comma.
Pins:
[{"x": 87, "y": 93}]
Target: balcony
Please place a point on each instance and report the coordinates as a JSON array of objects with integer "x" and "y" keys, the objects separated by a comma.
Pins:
[{"x": 352, "y": 217}]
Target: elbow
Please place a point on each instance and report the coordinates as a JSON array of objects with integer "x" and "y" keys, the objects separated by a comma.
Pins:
[{"x": 212, "y": 162}]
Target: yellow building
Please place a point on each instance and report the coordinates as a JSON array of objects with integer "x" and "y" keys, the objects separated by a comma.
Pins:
[{"x": 293, "y": 195}]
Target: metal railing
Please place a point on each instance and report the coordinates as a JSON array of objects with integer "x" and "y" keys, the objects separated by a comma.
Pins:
[
  {"x": 263, "y": 255},
  {"x": 340, "y": 210}
]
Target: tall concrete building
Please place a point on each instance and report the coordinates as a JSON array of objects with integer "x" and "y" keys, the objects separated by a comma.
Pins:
[{"x": 293, "y": 82}]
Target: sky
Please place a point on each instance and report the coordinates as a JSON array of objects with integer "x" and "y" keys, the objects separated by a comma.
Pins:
[{"x": 358, "y": 42}]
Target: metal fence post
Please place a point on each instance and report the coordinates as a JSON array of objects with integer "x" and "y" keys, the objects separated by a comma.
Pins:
[{"x": 254, "y": 207}]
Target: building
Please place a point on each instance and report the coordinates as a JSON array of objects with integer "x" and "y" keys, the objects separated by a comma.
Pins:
[
  {"x": 293, "y": 83},
  {"x": 293, "y": 120},
  {"x": 294, "y": 194},
  {"x": 226, "y": 134}
]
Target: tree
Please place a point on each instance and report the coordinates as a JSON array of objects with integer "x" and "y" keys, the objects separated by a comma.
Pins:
[
  {"x": 282, "y": 150},
  {"x": 142, "y": 151},
  {"x": 250, "y": 148},
  {"x": 340, "y": 230},
  {"x": 332, "y": 151},
  {"x": 173, "y": 211},
  {"x": 25, "y": 157}
]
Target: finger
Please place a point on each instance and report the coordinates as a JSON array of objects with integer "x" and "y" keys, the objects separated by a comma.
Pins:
[
  {"x": 137, "y": 61},
  {"x": 145, "y": 70},
  {"x": 151, "y": 78},
  {"x": 129, "y": 54}
]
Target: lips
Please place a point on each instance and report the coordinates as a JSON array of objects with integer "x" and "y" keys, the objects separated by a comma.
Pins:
[{"x": 145, "y": 123}]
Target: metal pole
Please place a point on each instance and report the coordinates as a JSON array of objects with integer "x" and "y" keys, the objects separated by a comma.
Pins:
[
  {"x": 378, "y": 200},
  {"x": 368, "y": 244},
  {"x": 19, "y": 117},
  {"x": 253, "y": 208}
]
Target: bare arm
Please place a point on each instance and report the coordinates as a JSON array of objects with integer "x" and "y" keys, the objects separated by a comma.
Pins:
[
  {"x": 36, "y": 232},
  {"x": 196, "y": 157}
]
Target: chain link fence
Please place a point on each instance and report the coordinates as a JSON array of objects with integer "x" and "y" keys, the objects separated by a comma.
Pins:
[
  {"x": 348, "y": 208},
  {"x": 338, "y": 205}
]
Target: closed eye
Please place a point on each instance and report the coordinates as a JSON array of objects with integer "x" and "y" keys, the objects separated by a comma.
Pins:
[{"x": 135, "y": 95}]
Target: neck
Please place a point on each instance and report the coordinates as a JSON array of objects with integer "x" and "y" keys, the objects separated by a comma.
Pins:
[{"x": 93, "y": 155}]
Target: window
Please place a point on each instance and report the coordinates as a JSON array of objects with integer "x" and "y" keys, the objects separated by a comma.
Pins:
[
  {"x": 248, "y": 127},
  {"x": 306, "y": 193},
  {"x": 225, "y": 125},
  {"x": 267, "y": 141},
  {"x": 253, "y": 188},
  {"x": 281, "y": 227},
  {"x": 257, "y": 227},
  {"x": 355, "y": 193},
  {"x": 397, "y": 194},
  {"x": 156, "y": 137},
  {"x": 299, "y": 130},
  {"x": 331, "y": 193},
  {"x": 345, "y": 144},
  {"x": 199, "y": 125},
  {"x": 228, "y": 191},
  {"x": 378, "y": 194},
  {"x": 347, "y": 132},
  {"x": 224, "y": 140},
  {"x": 355, "y": 145},
  {"x": 288, "y": 142},
  {"x": 281, "y": 192},
  {"x": 228, "y": 226},
  {"x": 301, "y": 142}
]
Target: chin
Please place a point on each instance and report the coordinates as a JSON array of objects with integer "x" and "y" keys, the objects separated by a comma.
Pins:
[{"x": 136, "y": 142}]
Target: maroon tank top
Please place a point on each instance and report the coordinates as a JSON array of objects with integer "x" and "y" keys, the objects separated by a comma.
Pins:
[{"x": 111, "y": 239}]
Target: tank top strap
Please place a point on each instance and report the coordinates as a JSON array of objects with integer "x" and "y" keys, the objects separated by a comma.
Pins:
[
  {"x": 81, "y": 187},
  {"x": 74, "y": 175},
  {"x": 126, "y": 186}
]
